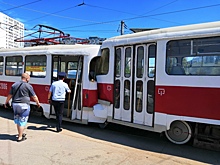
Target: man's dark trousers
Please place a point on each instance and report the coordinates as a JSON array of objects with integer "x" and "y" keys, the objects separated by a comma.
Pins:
[{"x": 58, "y": 107}]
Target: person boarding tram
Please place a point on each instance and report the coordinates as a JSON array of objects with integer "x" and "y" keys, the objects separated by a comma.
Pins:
[{"x": 56, "y": 97}]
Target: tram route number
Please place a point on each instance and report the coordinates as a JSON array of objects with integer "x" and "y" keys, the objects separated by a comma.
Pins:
[{"x": 3, "y": 86}]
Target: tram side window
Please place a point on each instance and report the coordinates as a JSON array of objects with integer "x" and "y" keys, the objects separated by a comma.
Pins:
[
  {"x": 35, "y": 65},
  {"x": 140, "y": 62},
  {"x": 1, "y": 65},
  {"x": 61, "y": 67},
  {"x": 202, "y": 65},
  {"x": 139, "y": 96},
  {"x": 127, "y": 66},
  {"x": 195, "y": 57},
  {"x": 13, "y": 66},
  {"x": 176, "y": 50},
  {"x": 92, "y": 68},
  {"x": 170, "y": 64},
  {"x": 118, "y": 62},
  {"x": 103, "y": 66},
  {"x": 151, "y": 60},
  {"x": 72, "y": 69},
  {"x": 127, "y": 95},
  {"x": 117, "y": 93}
]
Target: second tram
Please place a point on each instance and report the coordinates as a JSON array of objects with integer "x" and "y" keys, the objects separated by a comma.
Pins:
[
  {"x": 164, "y": 80},
  {"x": 43, "y": 63}
]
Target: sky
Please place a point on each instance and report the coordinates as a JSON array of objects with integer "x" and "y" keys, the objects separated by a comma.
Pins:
[{"x": 102, "y": 18}]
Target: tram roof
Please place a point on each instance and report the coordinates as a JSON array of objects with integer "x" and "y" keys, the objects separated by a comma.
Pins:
[
  {"x": 170, "y": 32},
  {"x": 77, "y": 49}
]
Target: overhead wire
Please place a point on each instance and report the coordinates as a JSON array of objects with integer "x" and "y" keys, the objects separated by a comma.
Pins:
[
  {"x": 46, "y": 13},
  {"x": 160, "y": 7},
  {"x": 129, "y": 12},
  {"x": 20, "y": 6},
  {"x": 108, "y": 9},
  {"x": 54, "y": 13},
  {"x": 133, "y": 13},
  {"x": 138, "y": 17},
  {"x": 109, "y": 22}
]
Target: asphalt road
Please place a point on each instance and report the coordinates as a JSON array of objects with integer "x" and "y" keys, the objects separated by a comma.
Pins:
[{"x": 89, "y": 145}]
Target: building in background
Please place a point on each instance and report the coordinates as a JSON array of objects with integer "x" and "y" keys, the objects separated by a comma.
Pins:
[
  {"x": 96, "y": 40},
  {"x": 90, "y": 40},
  {"x": 73, "y": 40},
  {"x": 10, "y": 29}
]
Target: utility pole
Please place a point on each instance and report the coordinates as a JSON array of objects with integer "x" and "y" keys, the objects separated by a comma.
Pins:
[{"x": 122, "y": 27}]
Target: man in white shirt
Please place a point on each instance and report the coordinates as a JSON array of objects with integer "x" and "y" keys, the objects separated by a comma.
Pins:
[{"x": 58, "y": 91}]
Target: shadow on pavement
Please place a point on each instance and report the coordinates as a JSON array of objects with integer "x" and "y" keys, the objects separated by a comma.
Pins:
[
  {"x": 42, "y": 128},
  {"x": 8, "y": 137},
  {"x": 139, "y": 139}
]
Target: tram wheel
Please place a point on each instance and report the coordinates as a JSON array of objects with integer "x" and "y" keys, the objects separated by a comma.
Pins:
[
  {"x": 180, "y": 132},
  {"x": 103, "y": 125}
]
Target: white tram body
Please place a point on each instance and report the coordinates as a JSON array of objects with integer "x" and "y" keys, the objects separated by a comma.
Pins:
[
  {"x": 163, "y": 80},
  {"x": 43, "y": 63}
]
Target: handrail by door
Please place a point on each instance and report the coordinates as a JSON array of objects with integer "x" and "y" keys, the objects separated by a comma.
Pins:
[{"x": 76, "y": 83}]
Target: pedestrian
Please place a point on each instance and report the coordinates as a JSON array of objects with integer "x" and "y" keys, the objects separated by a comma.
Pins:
[
  {"x": 20, "y": 94},
  {"x": 56, "y": 97}
]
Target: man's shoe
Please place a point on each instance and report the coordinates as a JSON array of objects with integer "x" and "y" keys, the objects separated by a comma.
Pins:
[
  {"x": 59, "y": 130},
  {"x": 22, "y": 139},
  {"x": 23, "y": 135}
]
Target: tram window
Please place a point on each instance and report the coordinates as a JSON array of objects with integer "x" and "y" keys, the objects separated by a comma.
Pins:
[
  {"x": 1, "y": 65},
  {"x": 117, "y": 93},
  {"x": 92, "y": 68},
  {"x": 127, "y": 67},
  {"x": 202, "y": 65},
  {"x": 178, "y": 48},
  {"x": 72, "y": 69},
  {"x": 35, "y": 65},
  {"x": 55, "y": 66},
  {"x": 151, "y": 60},
  {"x": 194, "y": 57},
  {"x": 104, "y": 63},
  {"x": 63, "y": 66},
  {"x": 13, "y": 66},
  {"x": 139, "y": 96},
  {"x": 118, "y": 62},
  {"x": 206, "y": 45},
  {"x": 140, "y": 62},
  {"x": 60, "y": 68},
  {"x": 150, "y": 96},
  {"x": 127, "y": 94}
]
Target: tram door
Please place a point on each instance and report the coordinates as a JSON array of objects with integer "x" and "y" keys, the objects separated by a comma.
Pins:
[
  {"x": 134, "y": 84},
  {"x": 123, "y": 83},
  {"x": 72, "y": 66}
]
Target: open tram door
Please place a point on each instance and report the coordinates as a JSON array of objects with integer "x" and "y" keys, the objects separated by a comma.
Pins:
[
  {"x": 134, "y": 84},
  {"x": 72, "y": 66}
]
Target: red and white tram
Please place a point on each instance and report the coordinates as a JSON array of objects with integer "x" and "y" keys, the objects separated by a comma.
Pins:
[
  {"x": 163, "y": 80},
  {"x": 43, "y": 63}
]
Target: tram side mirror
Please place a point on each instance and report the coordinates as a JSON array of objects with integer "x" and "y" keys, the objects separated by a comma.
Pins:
[{"x": 92, "y": 76}]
